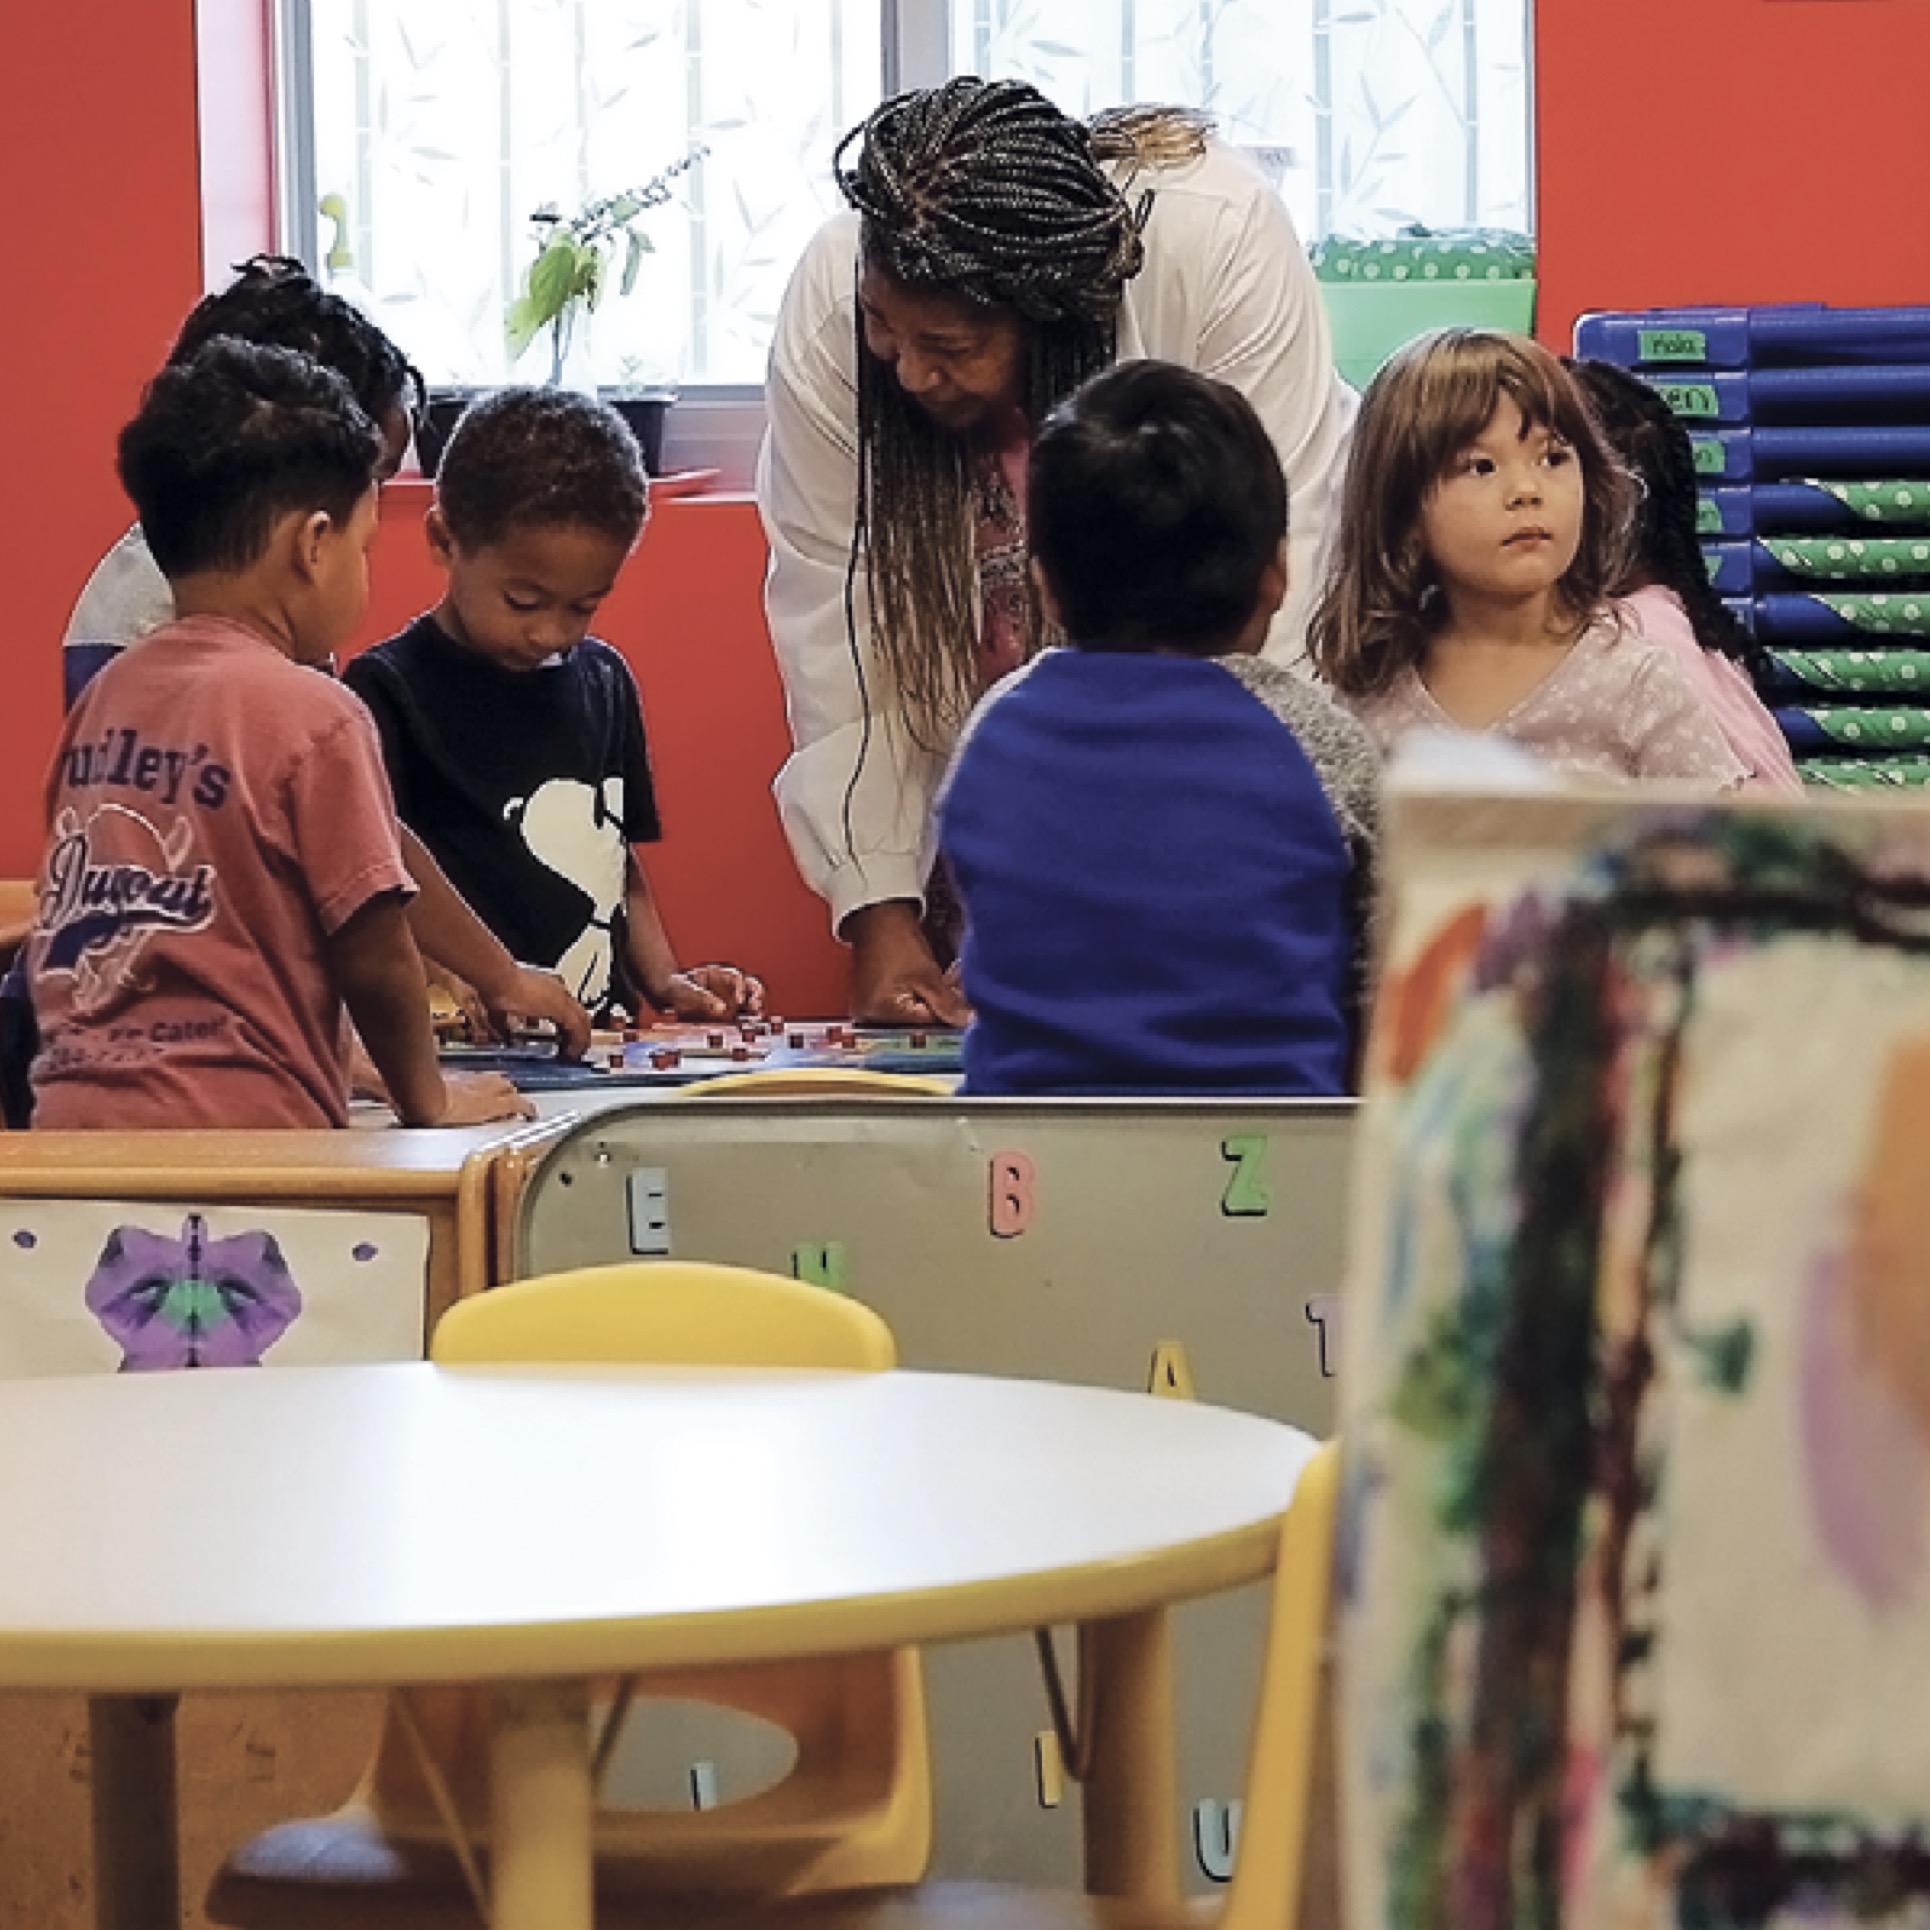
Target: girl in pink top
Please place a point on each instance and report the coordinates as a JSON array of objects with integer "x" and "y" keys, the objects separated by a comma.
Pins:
[
  {"x": 1666, "y": 589},
  {"x": 1482, "y": 531}
]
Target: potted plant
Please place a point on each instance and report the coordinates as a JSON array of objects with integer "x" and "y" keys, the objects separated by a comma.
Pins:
[{"x": 578, "y": 259}]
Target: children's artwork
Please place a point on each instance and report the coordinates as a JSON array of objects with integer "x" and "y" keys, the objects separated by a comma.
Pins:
[
  {"x": 1636, "y": 1574},
  {"x": 137, "y": 1286}
]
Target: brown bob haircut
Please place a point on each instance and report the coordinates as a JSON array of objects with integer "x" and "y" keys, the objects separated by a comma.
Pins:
[{"x": 1431, "y": 400}]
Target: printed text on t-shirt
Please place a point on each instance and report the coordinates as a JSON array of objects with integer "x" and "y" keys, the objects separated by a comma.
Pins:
[{"x": 119, "y": 757}]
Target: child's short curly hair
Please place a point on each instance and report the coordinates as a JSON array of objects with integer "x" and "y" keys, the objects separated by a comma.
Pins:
[
  {"x": 275, "y": 302},
  {"x": 231, "y": 441},
  {"x": 541, "y": 456}
]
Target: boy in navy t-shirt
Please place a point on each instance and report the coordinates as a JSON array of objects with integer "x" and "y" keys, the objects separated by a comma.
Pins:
[
  {"x": 512, "y": 737},
  {"x": 1163, "y": 845}
]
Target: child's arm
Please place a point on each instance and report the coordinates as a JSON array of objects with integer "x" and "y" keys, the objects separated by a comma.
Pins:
[
  {"x": 378, "y": 971},
  {"x": 1672, "y": 733},
  {"x": 705, "y": 991},
  {"x": 450, "y": 933}
]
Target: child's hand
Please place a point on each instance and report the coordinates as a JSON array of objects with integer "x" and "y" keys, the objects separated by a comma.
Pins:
[
  {"x": 712, "y": 992},
  {"x": 476, "y": 1098},
  {"x": 531, "y": 994},
  {"x": 459, "y": 1011}
]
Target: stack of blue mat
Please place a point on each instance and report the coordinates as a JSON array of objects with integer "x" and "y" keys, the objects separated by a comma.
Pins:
[{"x": 1811, "y": 428}]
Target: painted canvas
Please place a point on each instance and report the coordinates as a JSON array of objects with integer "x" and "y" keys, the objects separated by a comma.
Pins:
[
  {"x": 138, "y": 1286},
  {"x": 1636, "y": 1561}
]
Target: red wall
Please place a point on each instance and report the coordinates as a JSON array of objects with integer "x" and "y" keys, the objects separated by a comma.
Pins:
[
  {"x": 98, "y": 166},
  {"x": 1730, "y": 151}
]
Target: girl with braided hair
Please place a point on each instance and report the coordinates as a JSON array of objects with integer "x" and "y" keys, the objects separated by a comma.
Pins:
[
  {"x": 995, "y": 254},
  {"x": 1666, "y": 593}
]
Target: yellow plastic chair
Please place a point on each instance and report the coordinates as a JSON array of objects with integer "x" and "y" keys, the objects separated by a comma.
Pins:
[
  {"x": 1278, "y": 1851},
  {"x": 854, "y": 1809}
]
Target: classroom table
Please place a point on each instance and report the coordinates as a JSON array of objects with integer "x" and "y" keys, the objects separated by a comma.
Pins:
[{"x": 531, "y": 1528}]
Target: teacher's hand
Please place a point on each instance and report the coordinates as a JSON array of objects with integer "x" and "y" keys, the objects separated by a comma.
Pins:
[{"x": 895, "y": 980}]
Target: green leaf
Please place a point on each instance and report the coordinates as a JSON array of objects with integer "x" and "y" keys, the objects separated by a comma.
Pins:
[
  {"x": 552, "y": 280},
  {"x": 520, "y": 326},
  {"x": 637, "y": 244}
]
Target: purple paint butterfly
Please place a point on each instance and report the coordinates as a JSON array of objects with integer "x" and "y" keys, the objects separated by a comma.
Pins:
[{"x": 192, "y": 1302}]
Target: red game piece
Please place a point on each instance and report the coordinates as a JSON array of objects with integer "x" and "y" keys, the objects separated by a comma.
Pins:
[
  {"x": 665, "y": 1057},
  {"x": 797, "y": 1041},
  {"x": 716, "y": 1039},
  {"x": 740, "y": 1053},
  {"x": 918, "y": 1041}
]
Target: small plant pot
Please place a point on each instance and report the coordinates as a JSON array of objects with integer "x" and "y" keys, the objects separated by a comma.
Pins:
[
  {"x": 644, "y": 410},
  {"x": 437, "y": 422}
]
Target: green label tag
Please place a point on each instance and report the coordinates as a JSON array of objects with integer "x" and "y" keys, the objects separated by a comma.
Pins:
[
  {"x": 1672, "y": 345},
  {"x": 1708, "y": 517},
  {"x": 822, "y": 1266},
  {"x": 1711, "y": 458},
  {"x": 1689, "y": 398}
]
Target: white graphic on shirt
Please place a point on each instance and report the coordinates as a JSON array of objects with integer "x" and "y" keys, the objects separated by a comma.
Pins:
[
  {"x": 576, "y": 830},
  {"x": 99, "y": 907}
]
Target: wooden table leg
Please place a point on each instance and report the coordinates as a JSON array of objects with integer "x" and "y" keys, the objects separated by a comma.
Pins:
[
  {"x": 1131, "y": 1799},
  {"x": 539, "y": 1807},
  {"x": 137, "y": 1855}
]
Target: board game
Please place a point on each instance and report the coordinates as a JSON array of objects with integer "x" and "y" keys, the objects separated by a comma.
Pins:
[{"x": 678, "y": 1055}]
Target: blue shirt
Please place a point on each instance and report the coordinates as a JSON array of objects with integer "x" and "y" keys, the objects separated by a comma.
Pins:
[{"x": 1156, "y": 890}]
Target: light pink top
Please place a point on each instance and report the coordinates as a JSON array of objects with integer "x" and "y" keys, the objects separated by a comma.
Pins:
[
  {"x": 1659, "y": 615},
  {"x": 1615, "y": 706}
]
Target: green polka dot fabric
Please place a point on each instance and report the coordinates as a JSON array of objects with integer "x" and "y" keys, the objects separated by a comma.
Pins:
[
  {"x": 1863, "y": 673},
  {"x": 1852, "y": 558},
  {"x": 1875, "y": 727},
  {"x": 1879, "y": 614},
  {"x": 1866, "y": 773},
  {"x": 1423, "y": 254},
  {"x": 1896, "y": 501}
]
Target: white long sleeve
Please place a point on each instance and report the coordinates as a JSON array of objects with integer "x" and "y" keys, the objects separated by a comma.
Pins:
[{"x": 1225, "y": 289}]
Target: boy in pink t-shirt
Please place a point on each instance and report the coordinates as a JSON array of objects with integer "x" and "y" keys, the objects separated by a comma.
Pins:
[{"x": 222, "y": 874}]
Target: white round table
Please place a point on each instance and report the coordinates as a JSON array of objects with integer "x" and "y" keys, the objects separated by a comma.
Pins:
[{"x": 532, "y": 1527}]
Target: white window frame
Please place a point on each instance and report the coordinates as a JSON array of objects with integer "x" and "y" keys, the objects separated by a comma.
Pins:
[{"x": 714, "y": 426}]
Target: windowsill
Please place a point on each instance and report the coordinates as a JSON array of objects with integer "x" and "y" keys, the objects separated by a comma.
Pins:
[{"x": 410, "y": 490}]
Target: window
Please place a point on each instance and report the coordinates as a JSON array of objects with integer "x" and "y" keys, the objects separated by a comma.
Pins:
[{"x": 419, "y": 140}]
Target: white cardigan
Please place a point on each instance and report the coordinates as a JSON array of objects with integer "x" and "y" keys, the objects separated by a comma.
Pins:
[{"x": 1225, "y": 289}]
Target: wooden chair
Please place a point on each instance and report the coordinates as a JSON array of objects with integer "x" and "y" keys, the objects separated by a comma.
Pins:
[{"x": 854, "y": 1809}]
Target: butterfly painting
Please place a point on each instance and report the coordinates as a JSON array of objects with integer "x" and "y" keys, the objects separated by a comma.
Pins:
[{"x": 192, "y": 1301}]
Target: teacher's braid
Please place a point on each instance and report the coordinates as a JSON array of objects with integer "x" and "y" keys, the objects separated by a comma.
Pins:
[{"x": 984, "y": 191}]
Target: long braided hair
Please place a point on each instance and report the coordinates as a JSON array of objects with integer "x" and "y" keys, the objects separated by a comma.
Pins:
[
  {"x": 1655, "y": 448},
  {"x": 985, "y": 192}
]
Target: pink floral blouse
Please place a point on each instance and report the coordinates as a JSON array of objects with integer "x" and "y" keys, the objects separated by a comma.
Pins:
[{"x": 1615, "y": 706}]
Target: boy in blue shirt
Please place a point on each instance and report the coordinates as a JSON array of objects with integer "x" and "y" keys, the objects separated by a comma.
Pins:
[{"x": 1163, "y": 845}]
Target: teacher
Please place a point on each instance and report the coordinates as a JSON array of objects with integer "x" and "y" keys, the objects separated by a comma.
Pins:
[{"x": 995, "y": 254}]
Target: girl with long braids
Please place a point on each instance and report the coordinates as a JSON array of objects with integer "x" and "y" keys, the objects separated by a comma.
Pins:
[
  {"x": 1666, "y": 590},
  {"x": 995, "y": 254}
]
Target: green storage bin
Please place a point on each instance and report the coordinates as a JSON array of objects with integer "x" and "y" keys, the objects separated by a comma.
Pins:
[{"x": 1380, "y": 294}]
